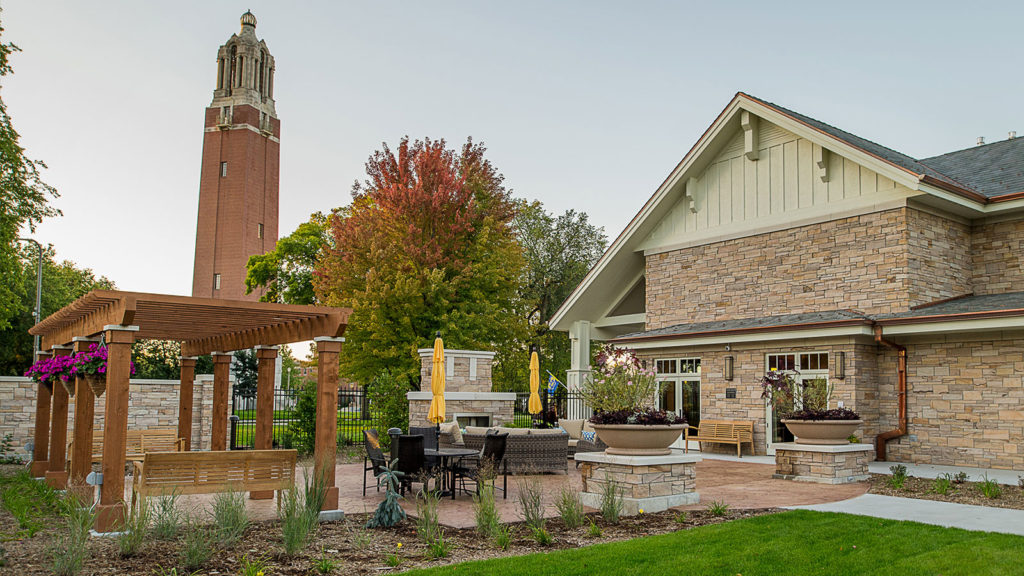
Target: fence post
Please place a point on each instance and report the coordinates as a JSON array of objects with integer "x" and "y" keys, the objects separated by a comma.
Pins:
[
  {"x": 234, "y": 431},
  {"x": 364, "y": 404}
]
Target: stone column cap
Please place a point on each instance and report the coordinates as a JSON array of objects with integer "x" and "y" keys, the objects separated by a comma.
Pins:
[
  {"x": 188, "y": 357},
  {"x": 327, "y": 339},
  {"x": 264, "y": 347},
  {"x": 120, "y": 327},
  {"x": 677, "y": 457},
  {"x": 84, "y": 339},
  {"x": 827, "y": 448}
]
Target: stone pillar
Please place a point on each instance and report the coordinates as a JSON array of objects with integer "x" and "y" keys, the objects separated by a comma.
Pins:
[
  {"x": 56, "y": 474},
  {"x": 81, "y": 447},
  {"x": 264, "y": 435},
  {"x": 221, "y": 384},
  {"x": 110, "y": 511},
  {"x": 648, "y": 483},
  {"x": 326, "y": 446},
  {"x": 579, "y": 337},
  {"x": 41, "y": 437},
  {"x": 824, "y": 464},
  {"x": 185, "y": 399}
]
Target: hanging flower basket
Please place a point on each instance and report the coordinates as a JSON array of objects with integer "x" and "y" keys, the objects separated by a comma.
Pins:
[
  {"x": 69, "y": 385},
  {"x": 49, "y": 370},
  {"x": 97, "y": 382}
]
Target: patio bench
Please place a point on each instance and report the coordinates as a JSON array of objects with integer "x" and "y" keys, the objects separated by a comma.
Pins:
[
  {"x": 164, "y": 473},
  {"x": 138, "y": 443},
  {"x": 735, "y": 432}
]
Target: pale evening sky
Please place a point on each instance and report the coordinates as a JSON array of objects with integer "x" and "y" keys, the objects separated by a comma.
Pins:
[{"x": 584, "y": 105}]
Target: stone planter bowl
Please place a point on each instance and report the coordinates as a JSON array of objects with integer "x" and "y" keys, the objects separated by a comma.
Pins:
[
  {"x": 637, "y": 439},
  {"x": 823, "y": 432}
]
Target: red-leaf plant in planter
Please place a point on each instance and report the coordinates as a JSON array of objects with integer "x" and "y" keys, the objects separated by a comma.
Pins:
[
  {"x": 621, "y": 391},
  {"x": 814, "y": 422}
]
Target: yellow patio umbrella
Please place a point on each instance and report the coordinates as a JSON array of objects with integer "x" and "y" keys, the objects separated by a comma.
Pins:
[
  {"x": 437, "y": 408},
  {"x": 535, "y": 406}
]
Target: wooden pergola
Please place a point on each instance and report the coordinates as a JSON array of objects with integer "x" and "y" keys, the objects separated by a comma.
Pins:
[{"x": 202, "y": 326}]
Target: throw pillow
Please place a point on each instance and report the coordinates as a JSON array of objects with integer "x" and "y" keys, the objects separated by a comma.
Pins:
[{"x": 589, "y": 436}]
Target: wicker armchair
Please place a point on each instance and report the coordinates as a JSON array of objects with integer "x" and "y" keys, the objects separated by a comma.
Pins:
[{"x": 525, "y": 453}]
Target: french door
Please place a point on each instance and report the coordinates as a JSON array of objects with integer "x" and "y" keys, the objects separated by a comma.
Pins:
[
  {"x": 680, "y": 395},
  {"x": 804, "y": 367}
]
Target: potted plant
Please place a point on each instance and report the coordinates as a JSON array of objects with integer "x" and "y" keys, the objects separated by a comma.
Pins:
[
  {"x": 54, "y": 369},
  {"x": 621, "y": 390},
  {"x": 91, "y": 365},
  {"x": 813, "y": 422}
]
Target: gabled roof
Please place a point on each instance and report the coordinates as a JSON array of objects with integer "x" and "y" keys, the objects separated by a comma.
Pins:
[
  {"x": 763, "y": 324},
  {"x": 981, "y": 176}
]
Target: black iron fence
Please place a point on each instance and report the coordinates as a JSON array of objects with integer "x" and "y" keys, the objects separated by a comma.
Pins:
[
  {"x": 562, "y": 404},
  {"x": 354, "y": 415}
]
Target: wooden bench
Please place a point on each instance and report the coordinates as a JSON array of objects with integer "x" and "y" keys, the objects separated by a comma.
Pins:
[
  {"x": 723, "y": 432},
  {"x": 138, "y": 443},
  {"x": 165, "y": 473}
]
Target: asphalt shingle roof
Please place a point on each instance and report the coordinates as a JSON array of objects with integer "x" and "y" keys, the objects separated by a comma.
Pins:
[
  {"x": 991, "y": 169},
  {"x": 966, "y": 305}
]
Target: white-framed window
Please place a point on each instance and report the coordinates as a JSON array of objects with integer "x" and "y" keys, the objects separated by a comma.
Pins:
[
  {"x": 679, "y": 387},
  {"x": 216, "y": 281},
  {"x": 805, "y": 366},
  {"x": 223, "y": 169}
]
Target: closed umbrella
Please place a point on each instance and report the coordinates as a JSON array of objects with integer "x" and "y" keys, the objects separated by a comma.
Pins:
[
  {"x": 437, "y": 408},
  {"x": 535, "y": 405}
]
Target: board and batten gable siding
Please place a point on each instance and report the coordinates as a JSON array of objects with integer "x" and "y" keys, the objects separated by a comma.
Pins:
[{"x": 735, "y": 194}]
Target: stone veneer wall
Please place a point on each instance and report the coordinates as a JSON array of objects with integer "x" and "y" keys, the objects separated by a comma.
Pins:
[
  {"x": 998, "y": 257},
  {"x": 466, "y": 372},
  {"x": 859, "y": 262},
  {"x": 501, "y": 411},
  {"x": 152, "y": 404},
  {"x": 858, "y": 390},
  {"x": 965, "y": 402},
  {"x": 940, "y": 264}
]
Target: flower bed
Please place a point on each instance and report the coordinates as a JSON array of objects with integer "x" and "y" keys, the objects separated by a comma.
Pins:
[{"x": 1011, "y": 496}]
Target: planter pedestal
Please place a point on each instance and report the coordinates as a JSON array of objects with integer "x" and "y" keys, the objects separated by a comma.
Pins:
[
  {"x": 650, "y": 483},
  {"x": 825, "y": 464}
]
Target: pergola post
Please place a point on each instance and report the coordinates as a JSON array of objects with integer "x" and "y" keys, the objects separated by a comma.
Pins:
[
  {"x": 264, "y": 435},
  {"x": 81, "y": 447},
  {"x": 110, "y": 511},
  {"x": 219, "y": 424},
  {"x": 56, "y": 474},
  {"x": 326, "y": 444},
  {"x": 185, "y": 399},
  {"x": 41, "y": 434}
]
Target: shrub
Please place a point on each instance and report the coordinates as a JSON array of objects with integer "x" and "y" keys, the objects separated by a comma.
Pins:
[
  {"x": 167, "y": 517},
  {"x": 570, "y": 507},
  {"x": 899, "y": 476},
  {"x": 388, "y": 513},
  {"x": 485, "y": 511},
  {"x": 386, "y": 394},
  {"x": 428, "y": 529},
  {"x": 502, "y": 536},
  {"x": 530, "y": 501},
  {"x": 960, "y": 477},
  {"x": 324, "y": 564},
  {"x": 252, "y": 566},
  {"x": 594, "y": 531},
  {"x": 229, "y": 517},
  {"x": 990, "y": 488},
  {"x": 70, "y": 547},
  {"x": 302, "y": 428},
  {"x": 296, "y": 524},
  {"x": 438, "y": 547},
  {"x": 136, "y": 523},
  {"x": 943, "y": 484},
  {"x": 681, "y": 518},
  {"x": 611, "y": 501},
  {"x": 833, "y": 414},
  {"x": 718, "y": 508},
  {"x": 197, "y": 546}
]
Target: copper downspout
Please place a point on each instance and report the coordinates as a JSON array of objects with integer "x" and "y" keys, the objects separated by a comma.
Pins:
[{"x": 901, "y": 372}]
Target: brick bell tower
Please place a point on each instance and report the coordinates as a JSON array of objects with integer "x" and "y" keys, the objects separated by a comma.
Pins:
[{"x": 238, "y": 186}]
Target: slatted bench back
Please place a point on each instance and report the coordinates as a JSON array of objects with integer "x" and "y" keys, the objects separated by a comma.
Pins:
[
  {"x": 138, "y": 442},
  {"x": 731, "y": 429},
  {"x": 208, "y": 472}
]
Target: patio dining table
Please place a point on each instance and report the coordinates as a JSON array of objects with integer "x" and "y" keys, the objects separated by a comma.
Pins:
[{"x": 447, "y": 458}]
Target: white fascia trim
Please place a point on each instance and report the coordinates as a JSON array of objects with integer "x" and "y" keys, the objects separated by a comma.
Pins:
[
  {"x": 622, "y": 320},
  {"x": 502, "y": 396},
  {"x": 425, "y": 352},
  {"x": 752, "y": 336},
  {"x": 976, "y": 325}
]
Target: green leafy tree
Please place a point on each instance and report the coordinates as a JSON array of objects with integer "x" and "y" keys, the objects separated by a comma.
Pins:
[
  {"x": 387, "y": 399},
  {"x": 161, "y": 360},
  {"x": 286, "y": 272},
  {"x": 245, "y": 367},
  {"x": 426, "y": 245},
  {"x": 290, "y": 370},
  {"x": 24, "y": 202},
  {"x": 63, "y": 283}
]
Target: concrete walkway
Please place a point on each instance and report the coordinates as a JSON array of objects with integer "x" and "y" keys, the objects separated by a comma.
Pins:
[{"x": 948, "y": 514}]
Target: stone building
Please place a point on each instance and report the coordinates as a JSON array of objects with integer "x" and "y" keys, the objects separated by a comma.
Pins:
[
  {"x": 780, "y": 241},
  {"x": 238, "y": 187}
]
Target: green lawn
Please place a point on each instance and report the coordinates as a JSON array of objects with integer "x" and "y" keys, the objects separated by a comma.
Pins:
[{"x": 798, "y": 542}]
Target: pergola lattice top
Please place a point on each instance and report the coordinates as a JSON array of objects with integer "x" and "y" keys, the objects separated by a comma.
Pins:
[{"x": 202, "y": 325}]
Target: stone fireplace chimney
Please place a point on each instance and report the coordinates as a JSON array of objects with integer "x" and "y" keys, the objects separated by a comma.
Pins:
[{"x": 468, "y": 396}]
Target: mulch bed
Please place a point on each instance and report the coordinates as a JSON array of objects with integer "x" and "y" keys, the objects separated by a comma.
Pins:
[
  {"x": 358, "y": 551},
  {"x": 966, "y": 493}
]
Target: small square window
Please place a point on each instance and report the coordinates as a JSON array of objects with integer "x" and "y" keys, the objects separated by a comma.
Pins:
[
  {"x": 216, "y": 281},
  {"x": 223, "y": 169},
  {"x": 259, "y": 230}
]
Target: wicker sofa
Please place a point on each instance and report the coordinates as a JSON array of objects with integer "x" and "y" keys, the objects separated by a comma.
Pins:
[
  {"x": 527, "y": 451},
  {"x": 575, "y": 429}
]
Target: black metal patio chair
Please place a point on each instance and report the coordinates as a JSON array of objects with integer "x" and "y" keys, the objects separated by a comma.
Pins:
[{"x": 374, "y": 461}]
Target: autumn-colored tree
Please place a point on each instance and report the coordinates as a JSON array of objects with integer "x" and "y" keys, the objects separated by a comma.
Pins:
[{"x": 426, "y": 245}]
